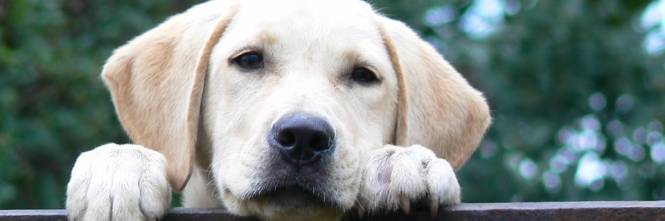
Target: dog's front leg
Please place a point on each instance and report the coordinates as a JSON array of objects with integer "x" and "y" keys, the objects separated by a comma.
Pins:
[
  {"x": 395, "y": 177},
  {"x": 118, "y": 182}
]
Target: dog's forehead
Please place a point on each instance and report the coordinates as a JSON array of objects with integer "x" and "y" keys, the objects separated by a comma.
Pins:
[
  {"x": 319, "y": 11},
  {"x": 308, "y": 34},
  {"x": 348, "y": 22}
]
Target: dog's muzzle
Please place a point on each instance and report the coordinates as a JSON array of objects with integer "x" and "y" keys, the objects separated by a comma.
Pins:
[
  {"x": 302, "y": 139},
  {"x": 301, "y": 147}
]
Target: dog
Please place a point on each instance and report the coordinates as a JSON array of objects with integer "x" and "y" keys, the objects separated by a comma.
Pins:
[{"x": 282, "y": 110}]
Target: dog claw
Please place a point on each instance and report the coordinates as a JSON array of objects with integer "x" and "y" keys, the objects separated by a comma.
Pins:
[
  {"x": 434, "y": 209},
  {"x": 406, "y": 205}
]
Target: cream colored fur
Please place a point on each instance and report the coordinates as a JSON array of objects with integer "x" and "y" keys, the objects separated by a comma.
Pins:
[{"x": 177, "y": 93}]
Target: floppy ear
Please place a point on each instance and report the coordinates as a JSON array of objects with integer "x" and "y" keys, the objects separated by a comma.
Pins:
[
  {"x": 437, "y": 108},
  {"x": 156, "y": 82}
]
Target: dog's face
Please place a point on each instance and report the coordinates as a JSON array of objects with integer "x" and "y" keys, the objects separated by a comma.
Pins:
[
  {"x": 293, "y": 100},
  {"x": 284, "y": 100}
]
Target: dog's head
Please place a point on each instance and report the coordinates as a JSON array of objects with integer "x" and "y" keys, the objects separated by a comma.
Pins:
[{"x": 283, "y": 100}]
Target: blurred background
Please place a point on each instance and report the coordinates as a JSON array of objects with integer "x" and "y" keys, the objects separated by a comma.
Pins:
[{"x": 576, "y": 88}]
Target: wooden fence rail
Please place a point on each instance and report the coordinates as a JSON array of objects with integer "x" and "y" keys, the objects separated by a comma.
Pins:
[{"x": 568, "y": 211}]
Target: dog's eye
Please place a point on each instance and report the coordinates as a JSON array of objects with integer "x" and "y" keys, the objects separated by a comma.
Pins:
[
  {"x": 251, "y": 60},
  {"x": 364, "y": 76}
]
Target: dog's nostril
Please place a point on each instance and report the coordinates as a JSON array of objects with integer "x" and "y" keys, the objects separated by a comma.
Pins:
[
  {"x": 286, "y": 138},
  {"x": 319, "y": 142}
]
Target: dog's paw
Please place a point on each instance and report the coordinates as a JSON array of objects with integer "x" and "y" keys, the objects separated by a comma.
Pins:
[
  {"x": 395, "y": 177},
  {"x": 118, "y": 182}
]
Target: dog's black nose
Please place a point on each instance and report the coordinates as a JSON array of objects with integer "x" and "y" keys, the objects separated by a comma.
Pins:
[{"x": 302, "y": 138}]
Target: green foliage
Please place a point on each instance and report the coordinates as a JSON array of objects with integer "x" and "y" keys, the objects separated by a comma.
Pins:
[
  {"x": 575, "y": 89},
  {"x": 577, "y": 102},
  {"x": 53, "y": 105},
  {"x": 569, "y": 83}
]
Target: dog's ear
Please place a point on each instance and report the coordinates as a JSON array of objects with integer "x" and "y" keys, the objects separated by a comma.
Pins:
[
  {"x": 156, "y": 82},
  {"x": 437, "y": 108}
]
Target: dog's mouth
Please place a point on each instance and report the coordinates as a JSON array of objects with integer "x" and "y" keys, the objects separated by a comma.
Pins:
[{"x": 293, "y": 195}]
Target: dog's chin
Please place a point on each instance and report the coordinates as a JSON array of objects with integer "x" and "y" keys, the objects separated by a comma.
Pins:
[
  {"x": 293, "y": 197},
  {"x": 294, "y": 203}
]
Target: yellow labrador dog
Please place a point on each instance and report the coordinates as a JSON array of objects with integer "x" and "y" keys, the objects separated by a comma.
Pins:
[{"x": 283, "y": 110}]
